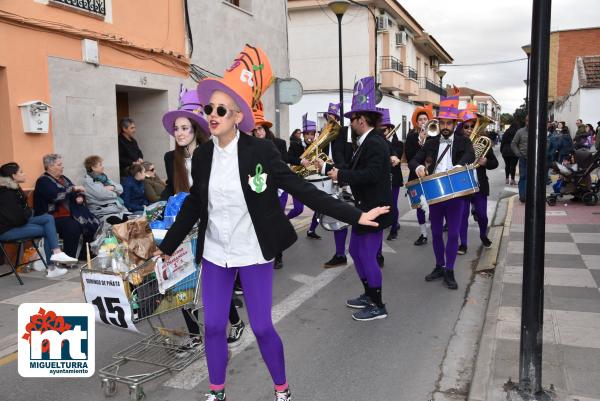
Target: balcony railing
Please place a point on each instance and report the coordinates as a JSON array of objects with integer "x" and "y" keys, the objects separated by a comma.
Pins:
[
  {"x": 96, "y": 7},
  {"x": 391, "y": 63},
  {"x": 412, "y": 73},
  {"x": 425, "y": 83}
]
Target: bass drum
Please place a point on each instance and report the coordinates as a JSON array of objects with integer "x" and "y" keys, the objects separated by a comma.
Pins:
[
  {"x": 322, "y": 182},
  {"x": 331, "y": 224}
]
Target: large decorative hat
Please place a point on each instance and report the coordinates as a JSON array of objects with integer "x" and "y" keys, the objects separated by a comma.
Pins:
[
  {"x": 189, "y": 107},
  {"x": 449, "y": 106},
  {"x": 245, "y": 81},
  {"x": 469, "y": 113},
  {"x": 308, "y": 125},
  {"x": 385, "y": 117},
  {"x": 363, "y": 99},
  {"x": 259, "y": 116},
  {"x": 427, "y": 109},
  {"x": 334, "y": 110}
]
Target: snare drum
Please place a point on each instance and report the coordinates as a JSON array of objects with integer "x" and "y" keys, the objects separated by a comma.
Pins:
[
  {"x": 322, "y": 182},
  {"x": 328, "y": 222},
  {"x": 435, "y": 188}
]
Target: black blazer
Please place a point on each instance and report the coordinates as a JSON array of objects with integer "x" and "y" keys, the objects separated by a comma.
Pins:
[
  {"x": 341, "y": 151},
  {"x": 396, "y": 149},
  {"x": 273, "y": 229},
  {"x": 462, "y": 152},
  {"x": 369, "y": 178},
  {"x": 169, "y": 160},
  {"x": 294, "y": 152},
  {"x": 492, "y": 163},
  {"x": 282, "y": 148},
  {"x": 411, "y": 148}
]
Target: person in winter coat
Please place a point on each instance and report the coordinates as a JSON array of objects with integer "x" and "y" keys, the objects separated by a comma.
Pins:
[
  {"x": 102, "y": 193},
  {"x": 17, "y": 220},
  {"x": 133, "y": 189},
  {"x": 565, "y": 145},
  {"x": 510, "y": 159},
  {"x": 153, "y": 185}
]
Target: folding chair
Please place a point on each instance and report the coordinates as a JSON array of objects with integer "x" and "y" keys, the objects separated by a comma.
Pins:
[{"x": 21, "y": 245}]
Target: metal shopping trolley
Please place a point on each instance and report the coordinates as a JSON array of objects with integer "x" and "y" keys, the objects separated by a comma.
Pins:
[{"x": 143, "y": 296}]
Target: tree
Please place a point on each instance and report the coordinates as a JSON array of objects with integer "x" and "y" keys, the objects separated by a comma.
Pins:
[
  {"x": 519, "y": 115},
  {"x": 506, "y": 119}
]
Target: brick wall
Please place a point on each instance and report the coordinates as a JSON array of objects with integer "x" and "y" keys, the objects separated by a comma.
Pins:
[
  {"x": 553, "y": 70},
  {"x": 584, "y": 42}
]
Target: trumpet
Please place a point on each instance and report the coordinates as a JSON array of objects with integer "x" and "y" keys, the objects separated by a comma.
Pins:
[{"x": 432, "y": 127}]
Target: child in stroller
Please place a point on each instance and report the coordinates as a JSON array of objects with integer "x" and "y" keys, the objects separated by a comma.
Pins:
[{"x": 575, "y": 178}]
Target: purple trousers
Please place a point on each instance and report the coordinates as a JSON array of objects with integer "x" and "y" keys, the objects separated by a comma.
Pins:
[
  {"x": 363, "y": 249},
  {"x": 451, "y": 211},
  {"x": 313, "y": 223},
  {"x": 479, "y": 202},
  {"x": 217, "y": 286},
  {"x": 395, "y": 213},
  {"x": 296, "y": 210},
  {"x": 340, "y": 241},
  {"x": 283, "y": 198}
]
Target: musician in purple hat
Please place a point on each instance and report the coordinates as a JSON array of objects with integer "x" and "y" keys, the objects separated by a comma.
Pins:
[
  {"x": 369, "y": 178},
  {"x": 442, "y": 153},
  {"x": 396, "y": 151}
]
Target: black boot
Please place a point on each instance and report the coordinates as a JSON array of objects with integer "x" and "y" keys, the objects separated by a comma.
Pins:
[
  {"x": 422, "y": 240},
  {"x": 392, "y": 235},
  {"x": 337, "y": 260},
  {"x": 435, "y": 274},
  {"x": 278, "y": 262},
  {"x": 449, "y": 279},
  {"x": 380, "y": 260}
]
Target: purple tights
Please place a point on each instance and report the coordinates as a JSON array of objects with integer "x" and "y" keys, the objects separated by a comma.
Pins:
[
  {"x": 363, "y": 249},
  {"x": 451, "y": 211},
  {"x": 296, "y": 210},
  {"x": 217, "y": 286},
  {"x": 479, "y": 202},
  {"x": 340, "y": 241},
  {"x": 395, "y": 213}
]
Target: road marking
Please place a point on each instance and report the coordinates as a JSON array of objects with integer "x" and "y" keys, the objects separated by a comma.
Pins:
[
  {"x": 302, "y": 278},
  {"x": 8, "y": 359},
  {"x": 197, "y": 371}
]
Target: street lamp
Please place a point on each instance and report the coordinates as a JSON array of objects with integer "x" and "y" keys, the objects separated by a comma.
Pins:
[
  {"x": 440, "y": 74},
  {"x": 527, "y": 50},
  {"x": 339, "y": 8}
]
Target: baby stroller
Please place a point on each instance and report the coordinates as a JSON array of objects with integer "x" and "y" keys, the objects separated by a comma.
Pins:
[{"x": 575, "y": 179}]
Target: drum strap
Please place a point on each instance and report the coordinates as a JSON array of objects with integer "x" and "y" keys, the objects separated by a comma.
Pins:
[{"x": 442, "y": 156}]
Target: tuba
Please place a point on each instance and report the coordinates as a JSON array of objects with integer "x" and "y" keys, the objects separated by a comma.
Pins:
[
  {"x": 481, "y": 143},
  {"x": 314, "y": 151}
]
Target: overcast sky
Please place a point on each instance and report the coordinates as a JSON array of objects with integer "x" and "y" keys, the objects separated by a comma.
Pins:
[{"x": 489, "y": 30}]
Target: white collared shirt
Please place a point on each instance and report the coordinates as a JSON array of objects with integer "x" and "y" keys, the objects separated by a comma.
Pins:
[
  {"x": 230, "y": 239},
  {"x": 361, "y": 138},
  {"x": 446, "y": 163}
]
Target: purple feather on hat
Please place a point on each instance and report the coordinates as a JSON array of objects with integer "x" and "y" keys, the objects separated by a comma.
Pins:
[{"x": 363, "y": 99}]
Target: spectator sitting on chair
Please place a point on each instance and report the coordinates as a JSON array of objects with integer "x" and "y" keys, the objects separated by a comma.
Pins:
[
  {"x": 57, "y": 195},
  {"x": 18, "y": 222},
  {"x": 153, "y": 185},
  {"x": 102, "y": 194},
  {"x": 133, "y": 189}
]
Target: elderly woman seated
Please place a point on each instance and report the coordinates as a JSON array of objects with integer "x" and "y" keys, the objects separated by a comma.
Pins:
[
  {"x": 18, "y": 222},
  {"x": 55, "y": 194},
  {"x": 102, "y": 194}
]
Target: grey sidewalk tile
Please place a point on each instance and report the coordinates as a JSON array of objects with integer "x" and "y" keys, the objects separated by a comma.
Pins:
[
  {"x": 596, "y": 275},
  {"x": 549, "y": 237},
  {"x": 554, "y": 276},
  {"x": 586, "y": 238},
  {"x": 554, "y": 248},
  {"x": 582, "y": 358},
  {"x": 583, "y": 382},
  {"x": 589, "y": 249},
  {"x": 584, "y": 228},
  {"x": 591, "y": 261},
  {"x": 10, "y": 287},
  {"x": 8, "y": 323},
  {"x": 578, "y": 329},
  {"x": 569, "y": 261},
  {"x": 572, "y": 299}
]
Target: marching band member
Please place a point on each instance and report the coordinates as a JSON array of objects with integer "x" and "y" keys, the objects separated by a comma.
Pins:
[
  {"x": 479, "y": 199},
  {"x": 309, "y": 130},
  {"x": 340, "y": 152},
  {"x": 440, "y": 154},
  {"x": 241, "y": 226},
  {"x": 369, "y": 179},
  {"x": 396, "y": 152},
  {"x": 414, "y": 142}
]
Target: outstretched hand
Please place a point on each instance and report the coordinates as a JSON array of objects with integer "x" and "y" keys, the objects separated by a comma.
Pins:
[{"x": 368, "y": 218}]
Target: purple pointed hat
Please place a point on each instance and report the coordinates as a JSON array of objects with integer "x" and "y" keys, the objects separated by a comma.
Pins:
[
  {"x": 189, "y": 107},
  {"x": 385, "y": 117},
  {"x": 334, "y": 110},
  {"x": 363, "y": 98},
  {"x": 307, "y": 125},
  {"x": 449, "y": 106}
]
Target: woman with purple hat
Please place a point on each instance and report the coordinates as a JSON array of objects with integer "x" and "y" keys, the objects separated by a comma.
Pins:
[
  {"x": 190, "y": 129},
  {"x": 240, "y": 224},
  {"x": 369, "y": 178},
  {"x": 439, "y": 154}
]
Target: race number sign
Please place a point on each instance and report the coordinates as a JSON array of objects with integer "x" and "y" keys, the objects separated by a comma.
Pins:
[{"x": 107, "y": 293}]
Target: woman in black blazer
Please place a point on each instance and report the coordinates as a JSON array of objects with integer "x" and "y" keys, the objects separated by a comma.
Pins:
[{"x": 241, "y": 226}]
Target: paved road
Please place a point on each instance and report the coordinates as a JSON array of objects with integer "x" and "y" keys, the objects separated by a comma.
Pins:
[{"x": 328, "y": 355}]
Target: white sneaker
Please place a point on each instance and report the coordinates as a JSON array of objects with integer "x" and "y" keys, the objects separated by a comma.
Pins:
[
  {"x": 38, "y": 266},
  {"x": 56, "y": 272},
  {"x": 63, "y": 258}
]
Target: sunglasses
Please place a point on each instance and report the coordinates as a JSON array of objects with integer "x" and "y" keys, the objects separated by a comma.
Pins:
[
  {"x": 468, "y": 126},
  {"x": 221, "y": 110},
  {"x": 354, "y": 117}
]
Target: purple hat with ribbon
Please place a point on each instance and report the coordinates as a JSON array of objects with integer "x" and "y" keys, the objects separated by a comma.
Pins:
[
  {"x": 307, "y": 125},
  {"x": 449, "y": 107},
  {"x": 189, "y": 107},
  {"x": 334, "y": 110},
  {"x": 363, "y": 98},
  {"x": 385, "y": 117}
]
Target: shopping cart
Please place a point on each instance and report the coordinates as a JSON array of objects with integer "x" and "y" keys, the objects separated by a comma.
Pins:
[{"x": 165, "y": 350}]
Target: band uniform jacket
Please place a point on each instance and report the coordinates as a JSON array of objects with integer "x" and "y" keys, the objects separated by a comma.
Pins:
[
  {"x": 396, "y": 149},
  {"x": 294, "y": 152},
  {"x": 274, "y": 231},
  {"x": 282, "y": 148},
  {"x": 411, "y": 148},
  {"x": 492, "y": 163},
  {"x": 369, "y": 178},
  {"x": 462, "y": 153}
]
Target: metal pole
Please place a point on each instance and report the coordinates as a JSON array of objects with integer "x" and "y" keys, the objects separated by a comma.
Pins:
[
  {"x": 528, "y": 82},
  {"x": 532, "y": 311},
  {"x": 277, "y": 108},
  {"x": 339, "y": 17}
]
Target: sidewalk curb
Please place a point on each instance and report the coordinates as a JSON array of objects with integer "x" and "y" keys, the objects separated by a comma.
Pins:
[
  {"x": 487, "y": 342},
  {"x": 459, "y": 364}
]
